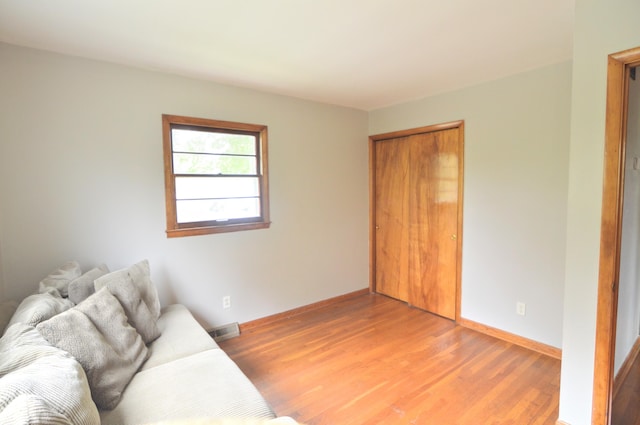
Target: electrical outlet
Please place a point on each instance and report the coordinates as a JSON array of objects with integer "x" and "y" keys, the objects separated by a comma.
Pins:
[
  {"x": 521, "y": 308},
  {"x": 226, "y": 302}
]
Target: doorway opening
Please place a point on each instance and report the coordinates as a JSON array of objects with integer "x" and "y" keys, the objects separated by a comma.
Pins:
[{"x": 619, "y": 70}]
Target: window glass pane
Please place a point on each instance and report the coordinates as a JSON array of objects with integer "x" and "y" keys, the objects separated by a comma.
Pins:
[
  {"x": 217, "y": 209},
  {"x": 216, "y": 187},
  {"x": 188, "y": 163},
  {"x": 212, "y": 142}
]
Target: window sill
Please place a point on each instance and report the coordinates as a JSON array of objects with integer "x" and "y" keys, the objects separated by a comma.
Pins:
[{"x": 210, "y": 230}]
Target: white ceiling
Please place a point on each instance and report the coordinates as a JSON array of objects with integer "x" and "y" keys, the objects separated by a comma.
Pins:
[{"x": 363, "y": 54}]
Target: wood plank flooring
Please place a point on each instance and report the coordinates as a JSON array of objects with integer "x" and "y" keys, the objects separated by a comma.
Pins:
[
  {"x": 374, "y": 360},
  {"x": 626, "y": 410}
]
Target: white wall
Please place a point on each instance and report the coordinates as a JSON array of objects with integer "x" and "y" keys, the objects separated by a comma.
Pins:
[
  {"x": 515, "y": 191},
  {"x": 601, "y": 28},
  {"x": 81, "y": 177},
  {"x": 629, "y": 292}
]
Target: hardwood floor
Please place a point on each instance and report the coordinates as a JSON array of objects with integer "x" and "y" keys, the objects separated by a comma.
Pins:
[
  {"x": 374, "y": 360},
  {"x": 625, "y": 409}
]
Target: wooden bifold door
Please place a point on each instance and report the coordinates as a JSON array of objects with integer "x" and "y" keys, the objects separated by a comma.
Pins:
[{"x": 416, "y": 212}]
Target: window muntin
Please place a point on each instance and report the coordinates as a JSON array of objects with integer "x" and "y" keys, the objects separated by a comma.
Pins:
[{"x": 215, "y": 176}]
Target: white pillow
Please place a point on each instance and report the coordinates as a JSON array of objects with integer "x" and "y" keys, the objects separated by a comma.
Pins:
[
  {"x": 61, "y": 277},
  {"x": 136, "y": 310},
  {"x": 96, "y": 333},
  {"x": 41, "y": 384},
  {"x": 82, "y": 287},
  {"x": 137, "y": 275}
]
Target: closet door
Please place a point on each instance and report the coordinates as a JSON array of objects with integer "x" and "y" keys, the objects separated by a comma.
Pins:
[
  {"x": 392, "y": 218},
  {"x": 417, "y": 212},
  {"x": 433, "y": 222}
]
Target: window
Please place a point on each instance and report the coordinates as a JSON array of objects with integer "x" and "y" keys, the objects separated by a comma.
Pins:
[{"x": 215, "y": 176}]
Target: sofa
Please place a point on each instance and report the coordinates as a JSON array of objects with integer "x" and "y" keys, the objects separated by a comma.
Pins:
[{"x": 97, "y": 348}]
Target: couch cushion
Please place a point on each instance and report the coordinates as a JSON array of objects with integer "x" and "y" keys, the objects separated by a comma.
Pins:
[
  {"x": 207, "y": 384},
  {"x": 40, "y": 383},
  {"x": 136, "y": 309},
  {"x": 138, "y": 275},
  {"x": 82, "y": 287},
  {"x": 180, "y": 336},
  {"x": 97, "y": 334}
]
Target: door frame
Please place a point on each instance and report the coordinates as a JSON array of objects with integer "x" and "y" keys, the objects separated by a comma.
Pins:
[
  {"x": 618, "y": 71},
  {"x": 372, "y": 198}
]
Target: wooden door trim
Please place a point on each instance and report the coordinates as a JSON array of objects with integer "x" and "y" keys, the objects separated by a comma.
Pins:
[
  {"x": 618, "y": 69},
  {"x": 372, "y": 195},
  {"x": 460, "y": 216},
  {"x": 414, "y": 131}
]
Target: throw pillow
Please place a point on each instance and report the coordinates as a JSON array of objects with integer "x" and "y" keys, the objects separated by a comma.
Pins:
[
  {"x": 41, "y": 384},
  {"x": 137, "y": 275},
  {"x": 61, "y": 277},
  {"x": 97, "y": 334},
  {"x": 82, "y": 287},
  {"x": 136, "y": 310},
  {"x": 39, "y": 307}
]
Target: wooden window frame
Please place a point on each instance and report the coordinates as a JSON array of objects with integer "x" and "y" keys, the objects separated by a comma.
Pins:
[{"x": 176, "y": 229}]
